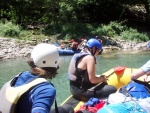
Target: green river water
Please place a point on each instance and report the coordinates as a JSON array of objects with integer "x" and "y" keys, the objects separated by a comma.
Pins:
[{"x": 11, "y": 67}]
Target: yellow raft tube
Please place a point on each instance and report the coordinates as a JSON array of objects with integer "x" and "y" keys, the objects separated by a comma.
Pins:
[{"x": 120, "y": 76}]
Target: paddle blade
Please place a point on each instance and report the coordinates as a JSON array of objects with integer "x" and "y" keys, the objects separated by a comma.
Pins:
[{"x": 119, "y": 69}]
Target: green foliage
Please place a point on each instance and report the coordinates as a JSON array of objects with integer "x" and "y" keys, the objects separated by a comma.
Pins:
[
  {"x": 37, "y": 12},
  {"x": 111, "y": 30},
  {"x": 9, "y": 29},
  {"x": 30, "y": 35},
  {"x": 51, "y": 29},
  {"x": 117, "y": 30},
  {"x": 134, "y": 35},
  {"x": 106, "y": 31},
  {"x": 72, "y": 18},
  {"x": 73, "y": 30},
  {"x": 25, "y": 35}
]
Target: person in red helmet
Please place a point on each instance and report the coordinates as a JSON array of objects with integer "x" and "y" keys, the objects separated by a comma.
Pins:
[
  {"x": 82, "y": 39},
  {"x": 72, "y": 40},
  {"x": 74, "y": 45}
]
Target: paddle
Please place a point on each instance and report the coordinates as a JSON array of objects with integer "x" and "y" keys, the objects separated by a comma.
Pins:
[
  {"x": 116, "y": 69},
  {"x": 92, "y": 88}
]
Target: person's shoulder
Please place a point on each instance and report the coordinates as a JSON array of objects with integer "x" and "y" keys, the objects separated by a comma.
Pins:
[
  {"x": 44, "y": 89},
  {"x": 45, "y": 86}
]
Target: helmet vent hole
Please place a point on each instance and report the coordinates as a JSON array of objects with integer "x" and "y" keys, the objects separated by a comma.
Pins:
[{"x": 44, "y": 62}]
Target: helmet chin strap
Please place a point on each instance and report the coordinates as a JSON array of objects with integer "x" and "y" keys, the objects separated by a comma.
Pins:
[{"x": 93, "y": 51}]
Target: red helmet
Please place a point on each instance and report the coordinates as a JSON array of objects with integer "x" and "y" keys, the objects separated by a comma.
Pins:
[
  {"x": 82, "y": 39},
  {"x": 72, "y": 40}
]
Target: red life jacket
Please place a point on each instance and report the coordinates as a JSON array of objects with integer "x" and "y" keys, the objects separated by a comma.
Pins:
[{"x": 75, "y": 45}]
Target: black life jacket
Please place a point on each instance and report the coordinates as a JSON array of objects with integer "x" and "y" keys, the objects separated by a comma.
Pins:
[{"x": 82, "y": 80}]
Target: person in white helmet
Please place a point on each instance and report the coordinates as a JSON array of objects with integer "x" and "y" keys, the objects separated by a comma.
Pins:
[{"x": 36, "y": 94}]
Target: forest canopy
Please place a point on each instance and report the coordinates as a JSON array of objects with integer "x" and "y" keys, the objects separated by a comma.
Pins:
[{"x": 77, "y": 18}]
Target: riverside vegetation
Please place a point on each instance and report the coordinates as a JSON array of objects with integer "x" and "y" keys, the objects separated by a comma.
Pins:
[
  {"x": 123, "y": 20},
  {"x": 19, "y": 42},
  {"x": 125, "y": 27}
]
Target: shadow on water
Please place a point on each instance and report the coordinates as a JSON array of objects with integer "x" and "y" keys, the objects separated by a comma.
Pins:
[{"x": 106, "y": 61}]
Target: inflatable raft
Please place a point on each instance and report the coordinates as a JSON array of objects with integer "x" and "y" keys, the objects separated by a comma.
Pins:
[
  {"x": 67, "y": 51},
  {"x": 118, "y": 77}
]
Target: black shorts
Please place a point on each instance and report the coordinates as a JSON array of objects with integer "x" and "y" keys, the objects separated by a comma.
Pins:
[{"x": 102, "y": 91}]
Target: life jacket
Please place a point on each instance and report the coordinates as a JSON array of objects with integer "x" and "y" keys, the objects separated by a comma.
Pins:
[
  {"x": 73, "y": 65},
  {"x": 82, "y": 79},
  {"x": 9, "y": 95},
  {"x": 80, "y": 74},
  {"x": 75, "y": 45}
]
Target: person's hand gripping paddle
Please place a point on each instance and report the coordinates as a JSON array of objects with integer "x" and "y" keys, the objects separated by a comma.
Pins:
[{"x": 116, "y": 69}]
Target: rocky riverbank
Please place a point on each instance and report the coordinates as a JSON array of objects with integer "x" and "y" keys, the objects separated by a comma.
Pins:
[{"x": 13, "y": 48}]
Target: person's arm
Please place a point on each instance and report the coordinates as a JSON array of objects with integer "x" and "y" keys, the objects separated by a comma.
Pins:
[
  {"x": 148, "y": 73},
  {"x": 72, "y": 44},
  {"x": 91, "y": 69},
  {"x": 147, "y": 78},
  {"x": 135, "y": 75},
  {"x": 144, "y": 70},
  {"x": 43, "y": 98}
]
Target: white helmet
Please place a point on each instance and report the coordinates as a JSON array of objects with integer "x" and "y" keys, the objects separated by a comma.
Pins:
[
  {"x": 45, "y": 55},
  {"x": 85, "y": 40}
]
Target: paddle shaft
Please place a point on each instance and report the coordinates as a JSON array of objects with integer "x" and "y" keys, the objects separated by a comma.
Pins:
[{"x": 92, "y": 88}]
